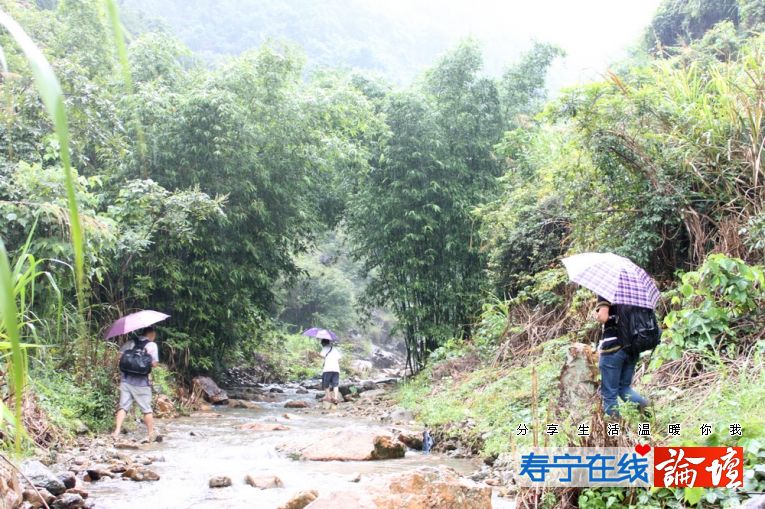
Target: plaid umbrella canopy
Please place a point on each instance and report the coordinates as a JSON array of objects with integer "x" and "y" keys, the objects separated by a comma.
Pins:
[{"x": 614, "y": 278}]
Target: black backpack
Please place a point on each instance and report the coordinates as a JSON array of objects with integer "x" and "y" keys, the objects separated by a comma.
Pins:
[
  {"x": 639, "y": 329},
  {"x": 136, "y": 361}
]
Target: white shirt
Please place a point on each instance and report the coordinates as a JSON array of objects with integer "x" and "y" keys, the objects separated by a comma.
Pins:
[{"x": 331, "y": 356}]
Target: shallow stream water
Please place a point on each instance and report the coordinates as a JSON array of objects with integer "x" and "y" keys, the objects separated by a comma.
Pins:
[{"x": 197, "y": 448}]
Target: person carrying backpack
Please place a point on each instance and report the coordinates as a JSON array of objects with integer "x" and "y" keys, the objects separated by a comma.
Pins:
[
  {"x": 617, "y": 358},
  {"x": 137, "y": 358}
]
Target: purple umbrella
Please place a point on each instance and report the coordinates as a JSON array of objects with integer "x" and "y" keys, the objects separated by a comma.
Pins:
[
  {"x": 135, "y": 321},
  {"x": 613, "y": 277},
  {"x": 318, "y": 333}
]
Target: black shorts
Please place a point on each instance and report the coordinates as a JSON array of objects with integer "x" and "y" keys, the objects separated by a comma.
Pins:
[{"x": 330, "y": 379}]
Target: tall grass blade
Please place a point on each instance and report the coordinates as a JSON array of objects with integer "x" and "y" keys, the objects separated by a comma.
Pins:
[
  {"x": 18, "y": 365},
  {"x": 53, "y": 98}
]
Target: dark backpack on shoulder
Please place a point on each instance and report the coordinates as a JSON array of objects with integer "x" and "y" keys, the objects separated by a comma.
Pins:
[
  {"x": 136, "y": 361},
  {"x": 639, "y": 329}
]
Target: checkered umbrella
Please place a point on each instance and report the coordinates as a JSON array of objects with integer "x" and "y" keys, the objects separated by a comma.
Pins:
[{"x": 614, "y": 278}]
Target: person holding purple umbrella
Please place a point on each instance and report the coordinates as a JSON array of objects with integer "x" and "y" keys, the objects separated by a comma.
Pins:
[
  {"x": 134, "y": 380},
  {"x": 330, "y": 372}
]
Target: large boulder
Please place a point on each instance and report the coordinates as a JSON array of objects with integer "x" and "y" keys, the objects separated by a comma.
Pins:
[
  {"x": 41, "y": 477},
  {"x": 209, "y": 390},
  {"x": 346, "y": 444},
  {"x": 425, "y": 488}
]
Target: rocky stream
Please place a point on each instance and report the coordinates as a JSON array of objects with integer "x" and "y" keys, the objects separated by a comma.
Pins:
[{"x": 278, "y": 448}]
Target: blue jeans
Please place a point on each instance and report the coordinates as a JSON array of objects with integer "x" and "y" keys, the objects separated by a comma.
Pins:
[{"x": 616, "y": 372}]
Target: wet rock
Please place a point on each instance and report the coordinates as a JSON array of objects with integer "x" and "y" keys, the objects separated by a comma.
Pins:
[
  {"x": 41, "y": 477},
  {"x": 346, "y": 444},
  {"x": 296, "y": 404},
  {"x": 80, "y": 460},
  {"x": 411, "y": 440},
  {"x": 211, "y": 415},
  {"x": 68, "y": 501},
  {"x": 265, "y": 398},
  {"x": 240, "y": 403},
  {"x": 301, "y": 391},
  {"x": 356, "y": 477},
  {"x": 263, "y": 426},
  {"x": 373, "y": 394},
  {"x": 118, "y": 467},
  {"x": 97, "y": 472},
  {"x": 220, "y": 481},
  {"x": 387, "y": 447},
  {"x": 276, "y": 389},
  {"x": 78, "y": 491},
  {"x": 263, "y": 482},
  {"x": 81, "y": 428},
  {"x": 68, "y": 478},
  {"x": 164, "y": 407},
  {"x": 301, "y": 500},
  {"x": 39, "y": 497},
  {"x": 431, "y": 488},
  {"x": 127, "y": 446},
  {"x": 140, "y": 474},
  {"x": 209, "y": 390},
  {"x": 362, "y": 366},
  {"x": 401, "y": 415}
]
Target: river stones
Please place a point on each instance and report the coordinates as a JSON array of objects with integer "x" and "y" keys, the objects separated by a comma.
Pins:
[
  {"x": 38, "y": 497},
  {"x": 68, "y": 478},
  {"x": 220, "y": 481},
  {"x": 240, "y": 403},
  {"x": 411, "y": 440},
  {"x": 140, "y": 474},
  {"x": 68, "y": 501},
  {"x": 98, "y": 472},
  {"x": 41, "y": 477},
  {"x": 431, "y": 487},
  {"x": 296, "y": 404},
  {"x": 263, "y": 482},
  {"x": 264, "y": 426},
  {"x": 301, "y": 500},
  {"x": 346, "y": 444}
]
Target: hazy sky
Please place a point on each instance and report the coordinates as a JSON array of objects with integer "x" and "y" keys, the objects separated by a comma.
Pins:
[{"x": 594, "y": 33}]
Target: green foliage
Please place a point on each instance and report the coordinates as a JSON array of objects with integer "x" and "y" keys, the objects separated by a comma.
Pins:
[
  {"x": 68, "y": 403},
  {"x": 323, "y": 297},
  {"x": 716, "y": 310},
  {"x": 410, "y": 217},
  {"x": 682, "y": 21},
  {"x": 522, "y": 87}
]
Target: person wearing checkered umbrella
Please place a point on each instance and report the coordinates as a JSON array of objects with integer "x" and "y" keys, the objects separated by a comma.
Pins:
[{"x": 619, "y": 283}]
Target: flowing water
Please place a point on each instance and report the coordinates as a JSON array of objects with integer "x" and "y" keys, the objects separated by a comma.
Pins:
[{"x": 197, "y": 448}]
